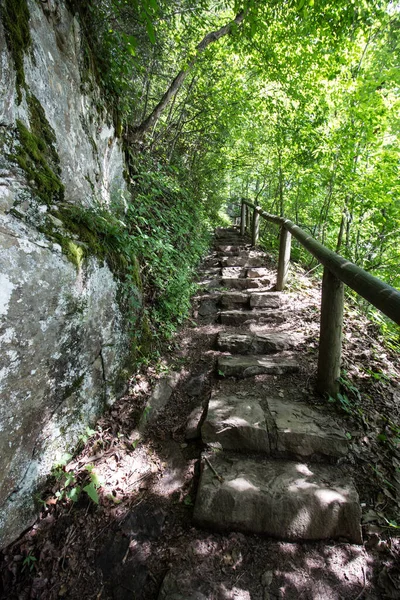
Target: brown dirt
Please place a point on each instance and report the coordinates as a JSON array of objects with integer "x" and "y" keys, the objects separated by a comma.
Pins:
[{"x": 141, "y": 530}]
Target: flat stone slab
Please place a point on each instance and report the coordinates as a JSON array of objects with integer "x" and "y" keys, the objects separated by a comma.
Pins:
[
  {"x": 208, "y": 306},
  {"x": 262, "y": 343},
  {"x": 234, "y": 299},
  {"x": 286, "y": 429},
  {"x": 282, "y": 499},
  {"x": 247, "y": 366},
  {"x": 257, "y": 272},
  {"x": 233, "y": 250},
  {"x": 302, "y": 431},
  {"x": 243, "y": 261},
  {"x": 234, "y": 272},
  {"x": 242, "y": 283},
  {"x": 236, "y": 424},
  {"x": 242, "y": 317},
  {"x": 194, "y": 422},
  {"x": 267, "y": 300}
]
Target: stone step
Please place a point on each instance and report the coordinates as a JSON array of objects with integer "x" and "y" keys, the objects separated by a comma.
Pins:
[
  {"x": 233, "y": 272},
  {"x": 232, "y": 250},
  {"x": 247, "y": 366},
  {"x": 256, "y": 272},
  {"x": 245, "y": 261},
  {"x": 235, "y": 423},
  {"x": 242, "y": 283},
  {"x": 246, "y": 422},
  {"x": 262, "y": 343},
  {"x": 268, "y": 299},
  {"x": 234, "y": 299},
  {"x": 282, "y": 499},
  {"x": 244, "y": 317}
]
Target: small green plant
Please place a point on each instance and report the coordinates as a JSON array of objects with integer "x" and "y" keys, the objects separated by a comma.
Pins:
[
  {"x": 72, "y": 485},
  {"x": 349, "y": 399},
  {"x": 29, "y": 562}
]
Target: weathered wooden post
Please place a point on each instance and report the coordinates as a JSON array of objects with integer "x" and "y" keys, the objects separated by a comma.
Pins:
[
  {"x": 247, "y": 218},
  {"x": 255, "y": 232},
  {"x": 242, "y": 218},
  {"x": 330, "y": 339},
  {"x": 285, "y": 244}
]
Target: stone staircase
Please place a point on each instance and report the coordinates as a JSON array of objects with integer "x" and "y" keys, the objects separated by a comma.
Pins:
[{"x": 270, "y": 464}]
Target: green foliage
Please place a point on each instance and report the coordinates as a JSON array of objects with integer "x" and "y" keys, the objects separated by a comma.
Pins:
[
  {"x": 349, "y": 399},
  {"x": 36, "y": 154},
  {"x": 169, "y": 234},
  {"x": 15, "y": 17},
  {"x": 29, "y": 562},
  {"x": 71, "y": 485}
]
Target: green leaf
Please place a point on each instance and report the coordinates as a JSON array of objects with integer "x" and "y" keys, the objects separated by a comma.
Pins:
[
  {"x": 74, "y": 493},
  {"x": 92, "y": 492}
]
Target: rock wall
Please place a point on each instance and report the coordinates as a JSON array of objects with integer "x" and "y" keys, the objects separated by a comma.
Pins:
[{"x": 63, "y": 336}]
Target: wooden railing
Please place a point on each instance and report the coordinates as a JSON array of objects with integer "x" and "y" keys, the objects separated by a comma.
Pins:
[{"x": 337, "y": 271}]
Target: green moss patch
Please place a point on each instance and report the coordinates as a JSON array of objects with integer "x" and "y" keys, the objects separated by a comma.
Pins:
[
  {"x": 18, "y": 37},
  {"x": 36, "y": 154}
]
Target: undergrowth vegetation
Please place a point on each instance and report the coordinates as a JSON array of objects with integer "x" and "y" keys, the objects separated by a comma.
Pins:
[{"x": 152, "y": 239}]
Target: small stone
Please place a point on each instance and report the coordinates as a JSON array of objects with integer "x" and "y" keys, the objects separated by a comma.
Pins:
[
  {"x": 266, "y": 578},
  {"x": 208, "y": 306},
  {"x": 196, "y": 385},
  {"x": 194, "y": 422},
  {"x": 253, "y": 273}
]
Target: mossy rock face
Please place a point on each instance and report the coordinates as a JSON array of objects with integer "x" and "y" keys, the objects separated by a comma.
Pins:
[
  {"x": 36, "y": 154},
  {"x": 15, "y": 19}
]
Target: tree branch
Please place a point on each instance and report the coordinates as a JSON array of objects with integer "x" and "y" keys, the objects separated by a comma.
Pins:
[{"x": 135, "y": 134}]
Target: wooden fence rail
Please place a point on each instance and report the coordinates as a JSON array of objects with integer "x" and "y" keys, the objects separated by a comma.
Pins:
[{"x": 337, "y": 271}]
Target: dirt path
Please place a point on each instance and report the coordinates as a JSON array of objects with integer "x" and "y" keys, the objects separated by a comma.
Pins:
[{"x": 140, "y": 542}]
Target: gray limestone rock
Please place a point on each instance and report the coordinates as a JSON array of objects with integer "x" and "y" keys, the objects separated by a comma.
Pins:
[
  {"x": 236, "y": 423},
  {"x": 267, "y": 300},
  {"x": 242, "y": 283},
  {"x": 233, "y": 272},
  {"x": 243, "y": 261},
  {"x": 159, "y": 398},
  {"x": 194, "y": 423},
  {"x": 64, "y": 340},
  {"x": 302, "y": 431},
  {"x": 233, "y": 250},
  {"x": 247, "y": 366},
  {"x": 183, "y": 586},
  {"x": 257, "y": 272},
  {"x": 282, "y": 499},
  {"x": 208, "y": 306},
  {"x": 195, "y": 386},
  {"x": 262, "y": 343},
  {"x": 234, "y": 299},
  {"x": 242, "y": 317}
]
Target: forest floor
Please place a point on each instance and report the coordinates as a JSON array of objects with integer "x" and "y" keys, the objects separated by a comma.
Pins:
[{"x": 140, "y": 538}]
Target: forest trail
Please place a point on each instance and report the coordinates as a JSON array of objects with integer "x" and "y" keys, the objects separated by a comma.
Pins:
[
  {"x": 265, "y": 468},
  {"x": 223, "y": 476}
]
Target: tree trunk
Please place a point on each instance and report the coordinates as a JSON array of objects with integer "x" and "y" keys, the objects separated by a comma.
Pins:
[{"x": 135, "y": 134}]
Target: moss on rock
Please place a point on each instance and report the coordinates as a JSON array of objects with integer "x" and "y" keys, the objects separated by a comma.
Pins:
[
  {"x": 15, "y": 17},
  {"x": 36, "y": 154}
]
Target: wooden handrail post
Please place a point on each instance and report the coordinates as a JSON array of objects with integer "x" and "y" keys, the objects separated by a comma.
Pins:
[
  {"x": 242, "y": 218},
  {"x": 255, "y": 232},
  {"x": 285, "y": 244},
  {"x": 330, "y": 339}
]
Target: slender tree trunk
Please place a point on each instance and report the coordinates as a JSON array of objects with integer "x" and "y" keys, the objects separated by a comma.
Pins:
[{"x": 136, "y": 134}]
